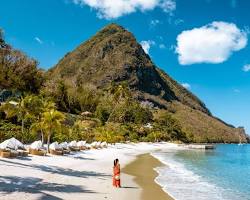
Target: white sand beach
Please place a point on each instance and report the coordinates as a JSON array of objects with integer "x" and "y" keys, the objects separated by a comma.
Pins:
[{"x": 82, "y": 175}]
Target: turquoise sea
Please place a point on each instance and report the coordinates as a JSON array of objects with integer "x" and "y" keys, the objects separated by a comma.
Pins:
[{"x": 223, "y": 173}]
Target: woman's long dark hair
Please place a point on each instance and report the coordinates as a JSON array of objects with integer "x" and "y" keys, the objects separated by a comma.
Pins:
[{"x": 115, "y": 162}]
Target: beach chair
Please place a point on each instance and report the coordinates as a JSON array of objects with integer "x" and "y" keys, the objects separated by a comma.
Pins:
[
  {"x": 104, "y": 145},
  {"x": 88, "y": 146},
  {"x": 4, "y": 153},
  {"x": 13, "y": 153},
  {"x": 64, "y": 147},
  {"x": 37, "y": 152},
  {"x": 55, "y": 149},
  {"x": 12, "y": 148},
  {"x": 22, "y": 152},
  {"x": 56, "y": 152},
  {"x": 81, "y": 145},
  {"x": 98, "y": 145},
  {"x": 93, "y": 145},
  {"x": 73, "y": 146}
]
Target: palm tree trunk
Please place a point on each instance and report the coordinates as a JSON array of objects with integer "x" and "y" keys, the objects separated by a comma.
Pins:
[
  {"x": 48, "y": 142},
  {"x": 22, "y": 129},
  {"x": 22, "y": 126},
  {"x": 42, "y": 136}
]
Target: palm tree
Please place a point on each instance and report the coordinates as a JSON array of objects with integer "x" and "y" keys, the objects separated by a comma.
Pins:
[
  {"x": 119, "y": 92},
  {"x": 18, "y": 109},
  {"x": 38, "y": 126},
  {"x": 51, "y": 122},
  {"x": 41, "y": 105}
]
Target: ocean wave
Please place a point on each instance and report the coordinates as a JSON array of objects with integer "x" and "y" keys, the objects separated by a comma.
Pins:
[{"x": 184, "y": 184}]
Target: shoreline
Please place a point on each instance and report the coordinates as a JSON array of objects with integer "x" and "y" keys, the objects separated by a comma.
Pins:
[
  {"x": 142, "y": 169},
  {"x": 79, "y": 175}
]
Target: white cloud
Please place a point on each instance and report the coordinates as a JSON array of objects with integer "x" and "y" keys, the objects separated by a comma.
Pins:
[
  {"x": 186, "y": 85},
  {"x": 212, "y": 43},
  {"x": 154, "y": 22},
  {"x": 110, "y": 9},
  {"x": 172, "y": 47},
  {"x": 168, "y": 6},
  {"x": 178, "y": 21},
  {"x": 162, "y": 46},
  {"x": 246, "y": 68},
  {"x": 146, "y": 45},
  {"x": 38, "y": 40}
]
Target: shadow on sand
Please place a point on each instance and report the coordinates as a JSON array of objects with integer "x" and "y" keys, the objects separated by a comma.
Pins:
[
  {"x": 129, "y": 187},
  {"x": 31, "y": 185},
  {"x": 56, "y": 170}
]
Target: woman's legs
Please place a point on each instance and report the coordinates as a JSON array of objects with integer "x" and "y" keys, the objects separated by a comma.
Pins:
[
  {"x": 118, "y": 183},
  {"x": 114, "y": 182}
]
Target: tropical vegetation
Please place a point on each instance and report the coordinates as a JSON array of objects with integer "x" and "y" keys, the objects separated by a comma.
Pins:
[{"x": 63, "y": 105}]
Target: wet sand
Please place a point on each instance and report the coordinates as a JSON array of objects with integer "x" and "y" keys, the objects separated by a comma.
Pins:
[{"x": 144, "y": 175}]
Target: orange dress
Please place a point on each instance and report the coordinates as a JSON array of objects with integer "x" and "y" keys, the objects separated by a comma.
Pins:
[{"x": 116, "y": 172}]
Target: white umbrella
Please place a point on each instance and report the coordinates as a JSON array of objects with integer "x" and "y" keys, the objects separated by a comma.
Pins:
[
  {"x": 37, "y": 145},
  {"x": 64, "y": 145},
  {"x": 73, "y": 144},
  {"x": 104, "y": 144},
  {"x": 81, "y": 143},
  {"x": 54, "y": 146},
  {"x": 11, "y": 143},
  {"x": 93, "y": 144}
]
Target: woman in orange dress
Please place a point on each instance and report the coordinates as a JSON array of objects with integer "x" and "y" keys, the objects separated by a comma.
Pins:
[{"x": 116, "y": 174}]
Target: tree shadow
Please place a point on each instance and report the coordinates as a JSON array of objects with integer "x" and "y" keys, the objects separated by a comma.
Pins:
[
  {"x": 80, "y": 158},
  {"x": 56, "y": 170},
  {"x": 24, "y": 158},
  {"x": 10, "y": 184}
]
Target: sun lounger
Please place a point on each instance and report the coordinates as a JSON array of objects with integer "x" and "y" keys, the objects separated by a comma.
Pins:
[
  {"x": 37, "y": 152},
  {"x": 22, "y": 152},
  {"x": 64, "y": 147},
  {"x": 56, "y": 152},
  {"x": 104, "y": 145},
  {"x": 93, "y": 145},
  {"x": 12, "y": 145},
  {"x": 66, "y": 151},
  {"x": 88, "y": 146},
  {"x": 83, "y": 148},
  {"x": 73, "y": 146},
  {"x": 13, "y": 153},
  {"x": 55, "y": 149},
  {"x": 4, "y": 153},
  {"x": 98, "y": 145},
  {"x": 81, "y": 145}
]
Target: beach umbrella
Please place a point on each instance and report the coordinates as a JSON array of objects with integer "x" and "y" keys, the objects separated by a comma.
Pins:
[
  {"x": 98, "y": 144},
  {"x": 93, "y": 144},
  {"x": 54, "y": 146},
  {"x": 64, "y": 145},
  {"x": 37, "y": 145},
  {"x": 11, "y": 143},
  {"x": 81, "y": 143},
  {"x": 88, "y": 146},
  {"x": 73, "y": 144},
  {"x": 104, "y": 144}
]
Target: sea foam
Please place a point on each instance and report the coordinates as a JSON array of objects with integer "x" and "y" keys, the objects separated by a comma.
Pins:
[{"x": 183, "y": 184}]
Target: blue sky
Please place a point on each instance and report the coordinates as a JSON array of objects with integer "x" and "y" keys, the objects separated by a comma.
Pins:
[{"x": 203, "y": 44}]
